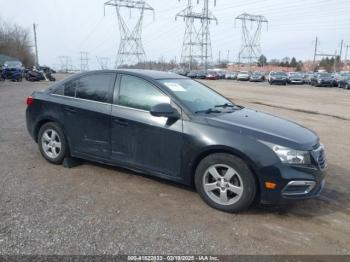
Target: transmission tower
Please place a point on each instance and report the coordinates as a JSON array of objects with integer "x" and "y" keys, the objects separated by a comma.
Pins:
[
  {"x": 103, "y": 62},
  {"x": 197, "y": 44},
  {"x": 84, "y": 61},
  {"x": 130, "y": 50},
  {"x": 66, "y": 64},
  {"x": 251, "y": 34}
]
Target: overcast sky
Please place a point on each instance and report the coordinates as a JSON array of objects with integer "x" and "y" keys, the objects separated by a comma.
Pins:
[{"x": 67, "y": 27}]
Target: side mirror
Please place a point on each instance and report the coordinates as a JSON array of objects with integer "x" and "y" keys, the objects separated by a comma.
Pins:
[{"x": 165, "y": 110}]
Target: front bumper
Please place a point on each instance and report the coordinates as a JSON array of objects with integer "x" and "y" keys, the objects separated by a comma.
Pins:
[{"x": 294, "y": 182}]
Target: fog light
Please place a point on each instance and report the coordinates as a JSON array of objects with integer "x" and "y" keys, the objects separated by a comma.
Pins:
[{"x": 270, "y": 185}]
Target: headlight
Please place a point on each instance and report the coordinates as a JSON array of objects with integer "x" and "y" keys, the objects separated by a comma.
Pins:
[{"x": 290, "y": 156}]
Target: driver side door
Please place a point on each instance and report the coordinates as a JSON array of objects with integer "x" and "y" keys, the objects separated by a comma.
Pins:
[{"x": 140, "y": 139}]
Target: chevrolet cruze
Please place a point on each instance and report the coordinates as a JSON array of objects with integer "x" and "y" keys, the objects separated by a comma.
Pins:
[{"x": 175, "y": 128}]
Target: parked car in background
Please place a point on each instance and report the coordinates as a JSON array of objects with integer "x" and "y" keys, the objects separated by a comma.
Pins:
[
  {"x": 322, "y": 79},
  {"x": 212, "y": 75},
  {"x": 307, "y": 77},
  {"x": 257, "y": 77},
  {"x": 13, "y": 71},
  {"x": 221, "y": 74},
  {"x": 344, "y": 82},
  {"x": 295, "y": 78},
  {"x": 172, "y": 127},
  {"x": 201, "y": 75},
  {"x": 192, "y": 74},
  {"x": 339, "y": 77},
  {"x": 278, "y": 78},
  {"x": 231, "y": 75},
  {"x": 243, "y": 76}
]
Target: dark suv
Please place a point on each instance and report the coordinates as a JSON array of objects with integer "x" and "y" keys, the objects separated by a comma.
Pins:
[{"x": 175, "y": 128}]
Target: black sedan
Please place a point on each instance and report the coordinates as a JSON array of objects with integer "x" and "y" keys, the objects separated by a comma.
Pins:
[
  {"x": 172, "y": 127},
  {"x": 257, "y": 77},
  {"x": 323, "y": 80},
  {"x": 344, "y": 83},
  {"x": 278, "y": 78}
]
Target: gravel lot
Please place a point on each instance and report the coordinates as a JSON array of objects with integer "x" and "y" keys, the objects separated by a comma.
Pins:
[{"x": 96, "y": 209}]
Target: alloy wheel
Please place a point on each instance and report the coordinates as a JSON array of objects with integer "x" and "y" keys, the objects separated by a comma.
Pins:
[
  {"x": 51, "y": 143},
  {"x": 223, "y": 184}
]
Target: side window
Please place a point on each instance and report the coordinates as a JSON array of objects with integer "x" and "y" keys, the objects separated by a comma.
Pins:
[
  {"x": 70, "y": 88},
  {"x": 140, "y": 94},
  {"x": 59, "y": 90},
  {"x": 95, "y": 87}
]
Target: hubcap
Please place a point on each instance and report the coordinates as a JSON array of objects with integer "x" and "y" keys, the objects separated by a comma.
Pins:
[
  {"x": 51, "y": 143},
  {"x": 222, "y": 184}
]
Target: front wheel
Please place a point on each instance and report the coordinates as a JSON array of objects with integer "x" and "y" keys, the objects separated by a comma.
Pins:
[
  {"x": 225, "y": 182},
  {"x": 52, "y": 143}
]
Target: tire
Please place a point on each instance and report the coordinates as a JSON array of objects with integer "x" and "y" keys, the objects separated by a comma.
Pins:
[
  {"x": 239, "y": 178},
  {"x": 51, "y": 135},
  {"x": 346, "y": 86}
]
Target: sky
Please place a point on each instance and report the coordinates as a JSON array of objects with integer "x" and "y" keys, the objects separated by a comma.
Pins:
[{"x": 65, "y": 28}]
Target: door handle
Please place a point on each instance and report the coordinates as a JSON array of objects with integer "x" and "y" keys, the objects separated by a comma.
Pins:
[
  {"x": 120, "y": 122},
  {"x": 70, "y": 109}
]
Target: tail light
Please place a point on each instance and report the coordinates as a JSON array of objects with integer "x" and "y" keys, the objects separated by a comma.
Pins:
[{"x": 30, "y": 100}]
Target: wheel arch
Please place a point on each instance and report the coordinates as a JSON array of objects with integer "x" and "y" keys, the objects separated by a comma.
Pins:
[
  {"x": 42, "y": 122},
  {"x": 226, "y": 150}
]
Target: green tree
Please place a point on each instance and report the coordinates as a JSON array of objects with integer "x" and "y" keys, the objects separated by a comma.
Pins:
[
  {"x": 262, "y": 61},
  {"x": 293, "y": 62}
]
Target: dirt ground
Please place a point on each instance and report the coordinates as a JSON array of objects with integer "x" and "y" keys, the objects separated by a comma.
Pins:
[{"x": 95, "y": 209}]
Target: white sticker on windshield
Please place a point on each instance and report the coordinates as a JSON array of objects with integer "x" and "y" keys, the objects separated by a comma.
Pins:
[{"x": 175, "y": 87}]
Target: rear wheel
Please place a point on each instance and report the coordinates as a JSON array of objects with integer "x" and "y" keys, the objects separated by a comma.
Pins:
[
  {"x": 52, "y": 143},
  {"x": 225, "y": 182}
]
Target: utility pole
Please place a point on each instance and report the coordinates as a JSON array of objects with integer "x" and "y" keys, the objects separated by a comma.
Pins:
[
  {"x": 315, "y": 53},
  {"x": 346, "y": 52},
  {"x": 251, "y": 36},
  {"x": 341, "y": 49},
  {"x": 219, "y": 57},
  {"x": 36, "y": 46},
  {"x": 131, "y": 49},
  {"x": 196, "y": 44},
  {"x": 228, "y": 56}
]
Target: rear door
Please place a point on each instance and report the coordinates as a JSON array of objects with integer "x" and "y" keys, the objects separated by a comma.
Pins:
[
  {"x": 140, "y": 139},
  {"x": 87, "y": 114}
]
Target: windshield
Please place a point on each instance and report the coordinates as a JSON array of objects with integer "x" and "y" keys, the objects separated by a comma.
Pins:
[
  {"x": 325, "y": 75},
  {"x": 194, "y": 95},
  {"x": 278, "y": 74},
  {"x": 13, "y": 64}
]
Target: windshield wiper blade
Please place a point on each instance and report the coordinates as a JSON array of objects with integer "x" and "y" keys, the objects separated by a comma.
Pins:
[
  {"x": 208, "y": 111},
  {"x": 225, "y": 105}
]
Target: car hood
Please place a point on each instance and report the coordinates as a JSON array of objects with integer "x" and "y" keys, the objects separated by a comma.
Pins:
[{"x": 267, "y": 127}]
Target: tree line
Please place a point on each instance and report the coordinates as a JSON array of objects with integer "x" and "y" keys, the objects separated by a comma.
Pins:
[{"x": 16, "y": 42}]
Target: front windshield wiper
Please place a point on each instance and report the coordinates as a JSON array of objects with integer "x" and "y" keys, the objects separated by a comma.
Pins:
[
  {"x": 225, "y": 105},
  {"x": 208, "y": 111},
  {"x": 230, "y": 105}
]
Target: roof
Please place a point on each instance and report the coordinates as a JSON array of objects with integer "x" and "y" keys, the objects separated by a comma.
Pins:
[{"x": 151, "y": 73}]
